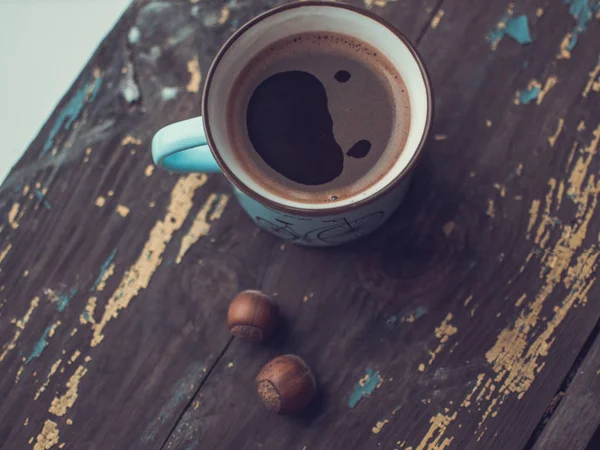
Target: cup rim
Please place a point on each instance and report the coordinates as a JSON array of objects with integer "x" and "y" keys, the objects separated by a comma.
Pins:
[{"x": 333, "y": 209}]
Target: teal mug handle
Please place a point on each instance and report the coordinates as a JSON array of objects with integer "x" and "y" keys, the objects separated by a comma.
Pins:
[{"x": 182, "y": 147}]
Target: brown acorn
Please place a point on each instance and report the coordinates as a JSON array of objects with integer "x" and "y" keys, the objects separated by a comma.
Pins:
[
  {"x": 251, "y": 316},
  {"x": 286, "y": 384}
]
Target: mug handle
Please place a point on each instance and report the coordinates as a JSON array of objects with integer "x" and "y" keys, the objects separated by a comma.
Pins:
[{"x": 182, "y": 147}]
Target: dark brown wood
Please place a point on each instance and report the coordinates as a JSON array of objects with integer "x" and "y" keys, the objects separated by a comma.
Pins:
[
  {"x": 577, "y": 417},
  {"x": 452, "y": 327}
]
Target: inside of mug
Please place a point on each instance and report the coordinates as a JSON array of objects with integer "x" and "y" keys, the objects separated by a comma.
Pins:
[{"x": 269, "y": 29}]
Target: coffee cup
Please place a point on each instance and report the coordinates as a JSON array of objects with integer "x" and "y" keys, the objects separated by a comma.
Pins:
[{"x": 205, "y": 144}]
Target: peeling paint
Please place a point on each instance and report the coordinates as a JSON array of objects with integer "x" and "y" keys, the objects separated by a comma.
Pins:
[
  {"x": 379, "y": 426},
  {"x": 13, "y": 219},
  {"x": 100, "y": 201},
  {"x": 71, "y": 111},
  {"x": 51, "y": 372},
  {"x": 140, "y": 273},
  {"x": 20, "y": 325},
  {"x": 60, "y": 405},
  {"x": 437, "y": 18},
  {"x": 42, "y": 343},
  {"x": 63, "y": 301},
  {"x": 87, "y": 316},
  {"x": 365, "y": 387},
  {"x": 202, "y": 222},
  {"x": 535, "y": 91},
  {"x": 127, "y": 140},
  {"x": 491, "y": 209},
  {"x": 122, "y": 210},
  {"x": 48, "y": 437},
  {"x": 193, "y": 67},
  {"x": 434, "y": 438},
  {"x": 149, "y": 170},
  {"x": 592, "y": 83},
  {"x": 443, "y": 332},
  {"x": 4, "y": 252},
  {"x": 106, "y": 270},
  {"x": 552, "y": 139}
]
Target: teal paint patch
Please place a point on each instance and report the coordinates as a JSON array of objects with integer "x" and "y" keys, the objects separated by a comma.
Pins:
[
  {"x": 40, "y": 345},
  {"x": 528, "y": 95},
  {"x": 364, "y": 387},
  {"x": 420, "y": 312},
  {"x": 71, "y": 111},
  {"x": 515, "y": 27},
  {"x": 42, "y": 199},
  {"x": 103, "y": 268},
  {"x": 390, "y": 322},
  {"x": 518, "y": 29},
  {"x": 63, "y": 300},
  {"x": 582, "y": 11}
]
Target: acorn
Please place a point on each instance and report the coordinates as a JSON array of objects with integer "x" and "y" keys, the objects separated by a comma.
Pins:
[
  {"x": 286, "y": 384},
  {"x": 251, "y": 316}
]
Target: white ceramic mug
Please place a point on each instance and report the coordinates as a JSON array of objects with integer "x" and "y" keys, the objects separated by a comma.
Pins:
[{"x": 203, "y": 144}]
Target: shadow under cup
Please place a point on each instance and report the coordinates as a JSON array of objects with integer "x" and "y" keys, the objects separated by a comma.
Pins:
[{"x": 279, "y": 24}]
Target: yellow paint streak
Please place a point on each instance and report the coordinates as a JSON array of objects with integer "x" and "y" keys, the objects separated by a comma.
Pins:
[
  {"x": 140, "y": 273},
  {"x": 100, "y": 201},
  {"x": 549, "y": 84},
  {"x": 224, "y": 16},
  {"x": 437, "y": 18},
  {"x": 501, "y": 189},
  {"x": 379, "y": 426},
  {"x": 19, "y": 373},
  {"x": 564, "y": 52},
  {"x": 74, "y": 356},
  {"x": 90, "y": 309},
  {"x": 581, "y": 126},
  {"x": 193, "y": 67},
  {"x": 421, "y": 367},
  {"x": 434, "y": 438},
  {"x": 20, "y": 324},
  {"x": 552, "y": 139},
  {"x": 591, "y": 82},
  {"x": 4, "y": 252},
  {"x": 491, "y": 209},
  {"x": 443, "y": 333},
  {"x": 559, "y": 194},
  {"x": 105, "y": 276},
  {"x": 60, "y": 405},
  {"x": 48, "y": 437},
  {"x": 546, "y": 216},
  {"x": 130, "y": 140},
  {"x": 52, "y": 371},
  {"x": 520, "y": 300},
  {"x": 202, "y": 222},
  {"x": 122, "y": 210},
  {"x": 468, "y": 300},
  {"x": 149, "y": 170},
  {"x": 515, "y": 357},
  {"x": 13, "y": 220}
]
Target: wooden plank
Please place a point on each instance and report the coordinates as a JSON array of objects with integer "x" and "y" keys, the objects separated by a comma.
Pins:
[
  {"x": 113, "y": 276},
  {"x": 575, "y": 422},
  {"x": 455, "y": 325}
]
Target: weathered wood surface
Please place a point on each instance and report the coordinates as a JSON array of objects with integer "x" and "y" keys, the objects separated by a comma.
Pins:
[
  {"x": 453, "y": 327},
  {"x": 576, "y": 422}
]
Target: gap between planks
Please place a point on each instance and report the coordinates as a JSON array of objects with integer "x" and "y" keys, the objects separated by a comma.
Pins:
[{"x": 563, "y": 388}]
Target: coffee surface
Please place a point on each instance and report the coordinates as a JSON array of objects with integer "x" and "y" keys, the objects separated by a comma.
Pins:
[{"x": 318, "y": 117}]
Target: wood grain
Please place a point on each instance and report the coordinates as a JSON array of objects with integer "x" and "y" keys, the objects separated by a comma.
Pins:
[{"x": 453, "y": 327}]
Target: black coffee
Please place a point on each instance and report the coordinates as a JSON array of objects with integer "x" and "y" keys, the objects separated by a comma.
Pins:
[{"x": 318, "y": 117}]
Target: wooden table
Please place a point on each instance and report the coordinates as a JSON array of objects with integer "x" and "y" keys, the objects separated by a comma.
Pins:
[{"x": 468, "y": 322}]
